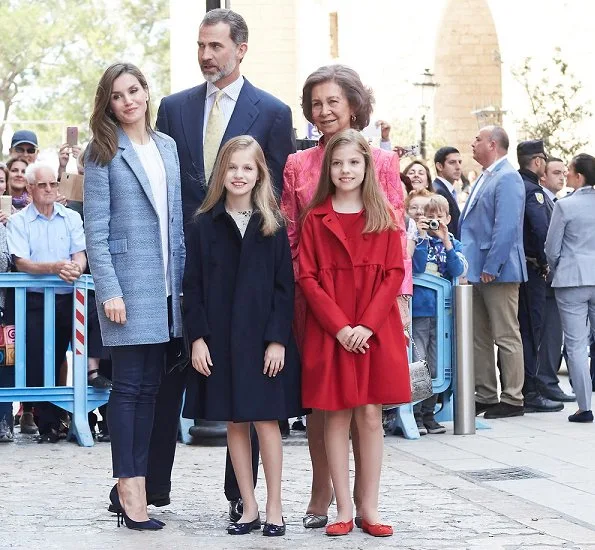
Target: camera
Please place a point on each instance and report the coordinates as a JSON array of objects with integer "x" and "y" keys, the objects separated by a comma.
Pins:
[{"x": 433, "y": 225}]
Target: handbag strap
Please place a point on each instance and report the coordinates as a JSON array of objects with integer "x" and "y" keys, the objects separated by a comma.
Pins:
[{"x": 416, "y": 351}]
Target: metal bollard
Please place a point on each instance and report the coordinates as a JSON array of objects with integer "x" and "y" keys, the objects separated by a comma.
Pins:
[{"x": 464, "y": 375}]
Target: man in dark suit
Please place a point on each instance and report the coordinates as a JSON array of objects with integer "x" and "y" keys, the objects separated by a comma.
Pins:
[
  {"x": 549, "y": 355},
  {"x": 532, "y": 159},
  {"x": 200, "y": 120},
  {"x": 448, "y": 163}
]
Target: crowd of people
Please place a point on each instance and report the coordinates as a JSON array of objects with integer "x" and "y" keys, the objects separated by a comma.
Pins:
[{"x": 296, "y": 271}]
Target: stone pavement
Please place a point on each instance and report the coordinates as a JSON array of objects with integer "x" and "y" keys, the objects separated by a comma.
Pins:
[{"x": 55, "y": 496}]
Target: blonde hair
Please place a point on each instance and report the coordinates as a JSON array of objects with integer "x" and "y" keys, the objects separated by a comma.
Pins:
[
  {"x": 437, "y": 203},
  {"x": 263, "y": 196},
  {"x": 379, "y": 214},
  {"x": 417, "y": 194}
]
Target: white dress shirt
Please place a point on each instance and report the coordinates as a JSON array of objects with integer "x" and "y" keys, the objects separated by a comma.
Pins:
[
  {"x": 479, "y": 182},
  {"x": 227, "y": 102},
  {"x": 449, "y": 185},
  {"x": 552, "y": 196}
]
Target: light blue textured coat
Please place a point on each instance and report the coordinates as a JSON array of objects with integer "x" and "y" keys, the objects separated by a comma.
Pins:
[
  {"x": 124, "y": 243},
  {"x": 491, "y": 227},
  {"x": 570, "y": 246}
]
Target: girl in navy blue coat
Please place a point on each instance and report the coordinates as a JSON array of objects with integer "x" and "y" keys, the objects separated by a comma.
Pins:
[
  {"x": 238, "y": 309},
  {"x": 436, "y": 253}
]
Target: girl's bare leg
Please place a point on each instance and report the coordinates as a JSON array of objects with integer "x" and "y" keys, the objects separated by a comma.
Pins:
[
  {"x": 240, "y": 450},
  {"x": 336, "y": 437},
  {"x": 271, "y": 451},
  {"x": 322, "y": 489}
]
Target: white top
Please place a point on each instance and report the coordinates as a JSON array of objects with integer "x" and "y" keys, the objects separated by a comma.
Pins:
[
  {"x": 479, "y": 182},
  {"x": 152, "y": 163},
  {"x": 551, "y": 195},
  {"x": 241, "y": 218},
  {"x": 227, "y": 102}
]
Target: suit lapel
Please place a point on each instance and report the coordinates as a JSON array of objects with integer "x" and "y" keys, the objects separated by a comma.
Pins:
[
  {"x": 193, "y": 113},
  {"x": 244, "y": 113},
  {"x": 130, "y": 156}
]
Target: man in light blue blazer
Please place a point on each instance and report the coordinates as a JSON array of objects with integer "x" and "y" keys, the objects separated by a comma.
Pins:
[
  {"x": 188, "y": 116},
  {"x": 491, "y": 229}
]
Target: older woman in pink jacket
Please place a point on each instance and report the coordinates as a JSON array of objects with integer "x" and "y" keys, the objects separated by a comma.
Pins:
[{"x": 333, "y": 99}]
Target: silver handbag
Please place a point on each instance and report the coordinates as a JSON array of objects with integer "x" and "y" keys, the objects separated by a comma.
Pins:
[
  {"x": 420, "y": 378},
  {"x": 420, "y": 375}
]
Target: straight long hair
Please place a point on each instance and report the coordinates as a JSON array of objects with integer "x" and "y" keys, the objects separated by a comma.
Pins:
[
  {"x": 378, "y": 212},
  {"x": 263, "y": 196},
  {"x": 103, "y": 123}
]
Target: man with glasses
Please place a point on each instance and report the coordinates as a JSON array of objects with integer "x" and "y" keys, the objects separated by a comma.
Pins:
[
  {"x": 46, "y": 238},
  {"x": 532, "y": 294},
  {"x": 24, "y": 146}
]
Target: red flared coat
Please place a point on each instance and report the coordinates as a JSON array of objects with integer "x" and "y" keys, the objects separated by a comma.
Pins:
[{"x": 351, "y": 285}]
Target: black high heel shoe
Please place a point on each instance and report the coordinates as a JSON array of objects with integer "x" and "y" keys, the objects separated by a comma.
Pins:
[
  {"x": 149, "y": 525},
  {"x": 116, "y": 508}
]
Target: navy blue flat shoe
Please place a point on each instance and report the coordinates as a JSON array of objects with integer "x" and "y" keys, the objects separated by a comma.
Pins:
[
  {"x": 272, "y": 530},
  {"x": 237, "y": 528},
  {"x": 581, "y": 416}
]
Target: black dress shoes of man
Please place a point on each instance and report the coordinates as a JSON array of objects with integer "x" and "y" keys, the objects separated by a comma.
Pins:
[
  {"x": 504, "y": 410},
  {"x": 236, "y": 509},
  {"x": 556, "y": 394},
  {"x": 483, "y": 407},
  {"x": 535, "y": 402}
]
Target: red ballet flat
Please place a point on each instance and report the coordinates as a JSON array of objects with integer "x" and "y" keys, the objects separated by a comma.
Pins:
[
  {"x": 339, "y": 528},
  {"x": 377, "y": 529}
]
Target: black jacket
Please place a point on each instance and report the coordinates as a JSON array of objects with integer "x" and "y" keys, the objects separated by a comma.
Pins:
[
  {"x": 238, "y": 296},
  {"x": 455, "y": 211},
  {"x": 537, "y": 218}
]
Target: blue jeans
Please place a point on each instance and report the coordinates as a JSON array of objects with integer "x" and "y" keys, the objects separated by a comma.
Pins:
[{"x": 136, "y": 374}]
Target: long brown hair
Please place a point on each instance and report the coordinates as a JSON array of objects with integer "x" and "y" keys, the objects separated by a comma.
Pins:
[
  {"x": 263, "y": 196},
  {"x": 379, "y": 216},
  {"x": 103, "y": 123}
]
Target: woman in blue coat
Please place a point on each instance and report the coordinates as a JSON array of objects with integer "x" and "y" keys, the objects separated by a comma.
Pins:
[{"x": 133, "y": 228}]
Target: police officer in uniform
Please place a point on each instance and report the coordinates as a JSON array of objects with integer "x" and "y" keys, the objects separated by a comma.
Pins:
[{"x": 532, "y": 161}]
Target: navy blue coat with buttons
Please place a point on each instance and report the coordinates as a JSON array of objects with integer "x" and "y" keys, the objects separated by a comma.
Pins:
[
  {"x": 238, "y": 296},
  {"x": 537, "y": 217}
]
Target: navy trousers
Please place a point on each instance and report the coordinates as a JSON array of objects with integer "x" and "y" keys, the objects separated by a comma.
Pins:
[
  {"x": 136, "y": 373},
  {"x": 531, "y": 315}
]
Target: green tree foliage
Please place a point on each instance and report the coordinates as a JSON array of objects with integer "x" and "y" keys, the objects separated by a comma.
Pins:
[
  {"x": 53, "y": 52},
  {"x": 557, "y": 109}
]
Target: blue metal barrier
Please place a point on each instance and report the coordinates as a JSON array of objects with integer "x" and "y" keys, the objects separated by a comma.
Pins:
[
  {"x": 442, "y": 383},
  {"x": 77, "y": 399}
]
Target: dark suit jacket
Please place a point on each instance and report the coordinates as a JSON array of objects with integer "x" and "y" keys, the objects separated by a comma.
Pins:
[
  {"x": 257, "y": 113},
  {"x": 455, "y": 211}
]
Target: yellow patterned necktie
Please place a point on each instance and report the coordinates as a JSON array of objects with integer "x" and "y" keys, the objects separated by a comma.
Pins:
[{"x": 213, "y": 136}]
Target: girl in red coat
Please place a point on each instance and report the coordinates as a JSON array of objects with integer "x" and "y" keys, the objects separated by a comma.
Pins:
[{"x": 354, "y": 358}]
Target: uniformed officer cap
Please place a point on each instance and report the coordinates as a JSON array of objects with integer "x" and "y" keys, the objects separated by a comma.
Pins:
[{"x": 530, "y": 148}]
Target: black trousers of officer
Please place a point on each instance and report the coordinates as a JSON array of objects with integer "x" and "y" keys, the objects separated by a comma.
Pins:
[
  {"x": 165, "y": 435},
  {"x": 48, "y": 415},
  {"x": 531, "y": 315}
]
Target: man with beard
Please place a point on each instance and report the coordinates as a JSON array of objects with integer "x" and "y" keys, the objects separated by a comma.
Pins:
[{"x": 201, "y": 120}]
